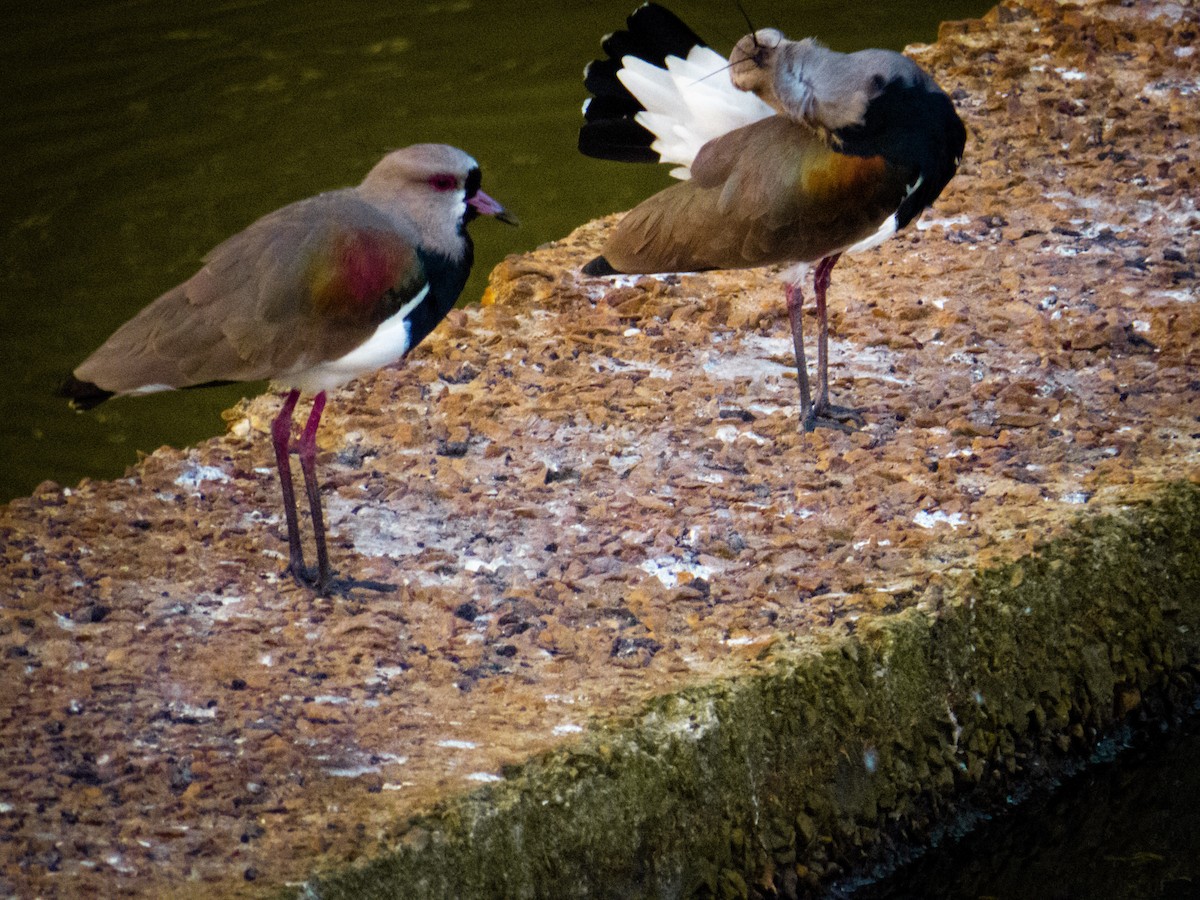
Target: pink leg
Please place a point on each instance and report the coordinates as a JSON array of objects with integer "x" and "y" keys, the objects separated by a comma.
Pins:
[
  {"x": 281, "y": 437},
  {"x": 823, "y": 411},
  {"x": 306, "y": 449},
  {"x": 795, "y": 304},
  {"x": 821, "y": 279}
]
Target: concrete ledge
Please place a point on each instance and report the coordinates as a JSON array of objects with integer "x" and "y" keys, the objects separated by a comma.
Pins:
[
  {"x": 778, "y": 780},
  {"x": 685, "y": 647}
]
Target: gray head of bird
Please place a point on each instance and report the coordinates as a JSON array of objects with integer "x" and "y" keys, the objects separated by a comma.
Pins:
[
  {"x": 830, "y": 90},
  {"x": 434, "y": 187}
]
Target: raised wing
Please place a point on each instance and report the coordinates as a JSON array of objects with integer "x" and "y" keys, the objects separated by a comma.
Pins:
[{"x": 661, "y": 94}]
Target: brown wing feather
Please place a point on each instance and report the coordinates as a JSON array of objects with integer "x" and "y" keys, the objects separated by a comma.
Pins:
[
  {"x": 249, "y": 313},
  {"x": 770, "y": 192}
]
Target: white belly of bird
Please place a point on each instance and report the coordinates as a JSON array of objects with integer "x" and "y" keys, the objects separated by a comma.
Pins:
[{"x": 390, "y": 341}]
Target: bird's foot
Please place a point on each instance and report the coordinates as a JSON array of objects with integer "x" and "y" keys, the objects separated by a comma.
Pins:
[
  {"x": 345, "y": 587},
  {"x": 305, "y": 577},
  {"x": 330, "y": 585},
  {"x": 827, "y": 415}
]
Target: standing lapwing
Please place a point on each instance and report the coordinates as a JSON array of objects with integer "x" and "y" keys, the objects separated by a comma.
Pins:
[
  {"x": 790, "y": 153},
  {"x": 310, "y": 296}
]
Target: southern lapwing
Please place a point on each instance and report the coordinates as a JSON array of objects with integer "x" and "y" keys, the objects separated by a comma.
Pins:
[
  {"x": 790, "y": 153},
  {"x": 310, "y": 297}
]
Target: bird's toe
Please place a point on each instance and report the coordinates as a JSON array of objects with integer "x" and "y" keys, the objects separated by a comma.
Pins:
[{"x": 840, "y": 418}]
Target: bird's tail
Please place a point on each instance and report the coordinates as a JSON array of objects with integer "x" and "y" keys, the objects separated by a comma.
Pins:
[
  {"x": 82, "y": 394},
  {"x": 660, "y": 94}
]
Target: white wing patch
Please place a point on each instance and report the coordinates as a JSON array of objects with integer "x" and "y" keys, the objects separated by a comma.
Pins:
[
  {"x": 688, "y": 103},
  {"x": 889, "y": 227},
  {"x": 390, "y": 341},
  {"x": 881, "y": 234},
  {"x": 147, "y": 389}
]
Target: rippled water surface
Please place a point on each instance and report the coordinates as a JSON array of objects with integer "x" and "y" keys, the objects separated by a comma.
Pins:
[{"x": 137, "y": 135}]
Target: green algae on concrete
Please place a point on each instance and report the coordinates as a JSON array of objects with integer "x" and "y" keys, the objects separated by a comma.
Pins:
[{"x": 833, "y": 750}]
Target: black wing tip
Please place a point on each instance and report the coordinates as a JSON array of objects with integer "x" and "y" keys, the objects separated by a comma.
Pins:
[
  {"x": 82, "y": 394},
  {"x": 652, "y": 34},
  {"x": 660, "y": 31},
  {"x": 598, "y": 267},
  {"x": 619, "y": 140}
]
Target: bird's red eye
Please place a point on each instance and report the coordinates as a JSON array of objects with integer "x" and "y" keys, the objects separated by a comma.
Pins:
[{"x": 443, "y": 182}]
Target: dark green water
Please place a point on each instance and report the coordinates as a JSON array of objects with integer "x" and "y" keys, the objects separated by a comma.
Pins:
[
  {"x": 137, "y": 135},
  {"x": 1125, "y": 829}
]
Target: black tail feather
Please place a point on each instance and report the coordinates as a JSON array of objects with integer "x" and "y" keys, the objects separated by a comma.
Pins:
[
  {"x": 82, "y": 394},
  {"x": 609, "y": 96},
  {"x": 609, "y": 131},
  {"x": 621, "y": 140},
  {"x": 599, "y": 266},
  {"x": 652, "y": 33}
]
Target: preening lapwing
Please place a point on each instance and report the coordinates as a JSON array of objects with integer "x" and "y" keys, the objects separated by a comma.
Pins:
[
  {"x": 310, "y": 297},
  {"x": 790, "y": 153}
]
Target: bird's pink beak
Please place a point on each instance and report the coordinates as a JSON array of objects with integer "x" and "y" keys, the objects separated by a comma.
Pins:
[{"x": 486, "y": 206}]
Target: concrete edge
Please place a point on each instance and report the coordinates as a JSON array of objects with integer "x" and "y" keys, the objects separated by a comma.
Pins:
[{"x": 835, "y": 749}]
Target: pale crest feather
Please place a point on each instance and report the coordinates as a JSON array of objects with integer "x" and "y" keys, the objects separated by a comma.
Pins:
[{"x": 688, "y": 103}]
